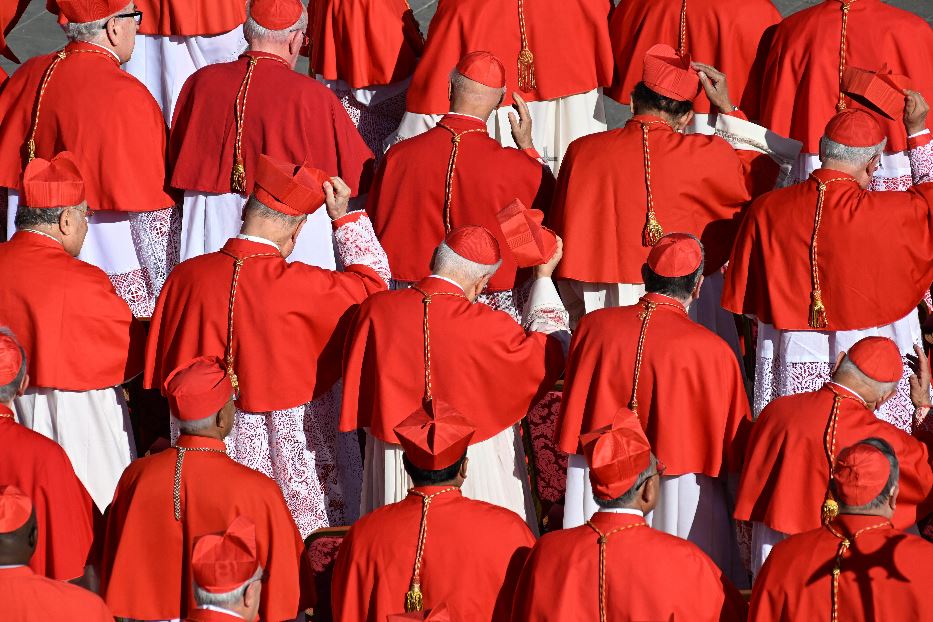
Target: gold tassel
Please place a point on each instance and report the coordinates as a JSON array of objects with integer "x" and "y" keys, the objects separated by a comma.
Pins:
[
  {"x": 526, "y": 71},
  {"x": 652, "y": 232},
  {"x": 817, "y": 310},
  {"x": 30, "y": 150},
  {"x": 830, "y": 511},
  {"x": 238, "y": 179},
  {"x": 234, "y": 381},
  {"x": 414, "y": 599}
]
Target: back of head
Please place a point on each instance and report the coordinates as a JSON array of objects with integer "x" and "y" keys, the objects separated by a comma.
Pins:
[
  {"x": 872, "y": 367},
  {"x": 852, "y": 138},
  {"x": 669, "y": 84},
  {"x": 273, "y": 21},
  {"x": 675, "y": 265},
  {"x": 477, "y": 84},
  {"x": 88, "y": 18},
  {"x": 225, "y": 569},
  {"x": 12, "y": 366},
  {"x": 620, "y": 461},
  {"x": 865, "y": 478},
  {"x": 197, "y": 391},
  {"x": 467, "y": 255},
  {"x": 50, "y": 189},
  {"x": 18, "y": 533},
  {"x": 435, "y": 439}
]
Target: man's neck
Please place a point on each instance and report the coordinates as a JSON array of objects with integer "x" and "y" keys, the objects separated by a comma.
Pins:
[
  {"x": 843, "y": 382},
  {"x": 472, "y": 113},
  {"x": 46, "y": 233},
  {"x": 229, "y": 612},
  {"x": 268, "y": 47},
  {"x": 686, "y": 302},
  {"x": 104, "y": 47}
]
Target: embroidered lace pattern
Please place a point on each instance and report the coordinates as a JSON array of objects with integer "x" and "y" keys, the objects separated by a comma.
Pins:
[
  {"x": 356, "y": 243},
  {"x": 375, "y": 122}
]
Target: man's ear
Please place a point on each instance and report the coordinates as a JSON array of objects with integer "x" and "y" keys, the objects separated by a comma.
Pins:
[
  {"x": 839, "y": 359},
  {"x": 463, "y": 468},
  {"x": 695, "y": 294},
  {"x": 112, "y": 27},
  {"x": 23, "y": 385}
]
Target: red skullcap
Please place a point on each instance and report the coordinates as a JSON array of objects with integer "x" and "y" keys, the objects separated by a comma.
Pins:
[
  {"x": 861, "y": 474},
  {"x": 53, "y": 183},
  {"x": 676, "y": 254},
  {"x": 198, "y": 389},
  {"x": 854, "y": 128},
  {"x": 288, "y": 188},
  {"x": 439, "y": 614},
  {"x": 531, "y": 243},
  {"x": 11, "y": 359},
  {"x": 84, "y": 11},
  {"x": 881, "y": 90},
  {"x": 669, "y": 74},
  {"x": 15, "y": 508},
  {"x": 483, "y": 67},
  {"x": 616, "y": 455},
  {"x": 878, "y": 358},
  {"x": 435, "y": 436},
  {"x": 275, "y": 14},
  {"x": 223, "y": 562},
  {"x": 474, "y": 243}
]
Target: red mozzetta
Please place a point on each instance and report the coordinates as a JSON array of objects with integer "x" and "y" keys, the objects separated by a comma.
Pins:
[{"x": 189, "y": 18}]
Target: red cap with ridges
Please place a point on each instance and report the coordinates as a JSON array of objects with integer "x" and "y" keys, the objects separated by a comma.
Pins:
[
  {"x": 222, "y": 562},
  {"x": 675, "y": 255},
  {"x": 854, "y": 128},
  {"x": 878, "y": 358},
  {"x": 531, "y": 243},
  {"x": 881, "y": 90},
  {"x": 474, "y": 243},
  {"x": 616, "y": 455},
  {"x": 435, "y": 436},
  {"x": 669, "y": 74},
  {"x": 198, "y": 389},
  {"x": 11, "y": 359},
  {"x": 289, "y": 188},
  {"x": 275, "y": 14},
  {"x": 53, "y": 183},
  {"x": 440, "y": 613},
  {"x": 483, "y": 67},
  {"x": 84, "y": 11},
  {"x": 15, "y": 508},
  {"x": 860, "y": 475}
]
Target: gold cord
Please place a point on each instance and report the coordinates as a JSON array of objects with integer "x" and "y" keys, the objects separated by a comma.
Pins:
[
  {"x": 428, "y": 393},
  {"x": 452, "y": 167},
  {"x": 846, "y": 4},
  {"x": 414, "y": 598},
  {"x": 644, "y": 316},
  {"x": 830, "y": 508},
  {"x": 844, "y": 545},
  {"x": 653, "y": 230},
  {"x": 526, "y": 59},
  {"x": 179, "y": 460},
  {"x": 603, "y": 541},
  {"x": 682, "y": 48},
  {"x": 818, "y": 316}
]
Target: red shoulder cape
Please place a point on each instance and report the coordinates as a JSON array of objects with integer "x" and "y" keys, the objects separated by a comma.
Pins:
[
  {"x": 29, "y": 597},
  {"x": 187, "y": 18},
  {"x": 569, "y": 40}
]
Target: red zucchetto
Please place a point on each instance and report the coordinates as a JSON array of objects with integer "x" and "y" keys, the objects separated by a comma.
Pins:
[
  {"x": 484, "y": 68},
  {"x": 860, "y": 475},
  {"x": 878, "y": 358},
  {"x": 675, "y": 255},
  {"x": 15, "y": 508},
  {"x": 854, "y": 128},
  {"x": 275, "y": 14},
  {"x": 474, "y": 243},
  {"x": 11, "y": 359},
  {"x": 84, "y": 11}
]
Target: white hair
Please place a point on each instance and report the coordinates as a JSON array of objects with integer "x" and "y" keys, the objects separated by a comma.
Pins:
[
  {"x": 881, "y": 388},
  {"x": 859, "y": 156},
  {"x": 461, "y": 83},
  {"x": 196, "y": 426},
  {"x": 252, "y": 31},
  {"x": 227, "y": 599},
  {"x": 448, "y": 262},
  {"x": 91, "y": 31}
]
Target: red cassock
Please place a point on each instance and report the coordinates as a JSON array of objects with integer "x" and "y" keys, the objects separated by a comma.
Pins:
[
  {"x": 473, "y": 554},
  {"x": 287, "y": 116},
  {"x": 411, "y": 219},
  {"x": 363, "y": 42},
  {"x": 699, "y": 185},
  {"x": 482, "y": 362},
  {"x": 61, "y": 309},
  {"x": 726, "y": 35},
  {"x": 188, "y": 18},
  {"x": 310, "y": 305},
  {"x": 145, "y": 572},
  {"x": 885, "y": 576},
  {"x": 64, "y": 510},
  {"x": 800, "y": 82},
  {"x": 28, "y": 597},
  {"x": 569, "y": 41},
  {"x": 650, "y": 575},
  {"x": 786, "y": 471},
  {"x": 683, "y": 363},
  {"x": 874, "y": 255},
  {"x": 84, "y": 110}
]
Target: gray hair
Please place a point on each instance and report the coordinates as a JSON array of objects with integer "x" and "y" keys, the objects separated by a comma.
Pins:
[
  {"x": 91, "y": 31},
  {"x": 859, "y": 156},
  {"x": 34, "y": 216},
  {"x": 460, "y": 83},
  {"x": 448, "y": 262},
  {"x": 227, "y": 599},
  {"x": 881, "y": 388},
  {"x": 252, "y": 31},
  {"x": 629, "y": 496},
  {"x": 196, "y": 426},
  {"x": 885, "y": 495},
  {"x": 9, "y": 391},
  {"x": 262, "y": 210}
]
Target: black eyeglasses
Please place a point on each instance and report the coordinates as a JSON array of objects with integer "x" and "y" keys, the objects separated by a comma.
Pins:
[{"x": 136, "y": 15}]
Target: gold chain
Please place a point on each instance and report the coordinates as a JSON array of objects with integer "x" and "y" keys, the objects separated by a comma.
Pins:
[
  {"x": 179, "y": 460},
  {"x": 650, "y": 306},
  {"x": 846, "y": 4},
  {"x": 830, "y": 506},
  {"x": 452, "y": 167},
  {"x": 682, "y": 49},
  {"x": 840, "y": 553},
  {"x": 653, "y": 230},
  {"x": 428, "y": 393},
  {"x": 414, "y": 598},
  {"x": 603, "y": 541}
]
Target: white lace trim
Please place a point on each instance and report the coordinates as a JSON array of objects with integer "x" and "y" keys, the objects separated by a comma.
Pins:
[{"x": 356, "y": 243}]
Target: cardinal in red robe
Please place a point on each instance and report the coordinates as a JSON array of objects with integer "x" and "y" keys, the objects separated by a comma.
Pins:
[
  {"x": 616, "y": 567},
  {"x": 659, "y": 180},
  {"x": 465, "y": 178},
  {"x": 366, "y": 52},
  {"x": 406, "y": 345},
  {"x": 80, "y": 338},
  {"x": 78, "y": 99},
  {"x": 732, "y": 36},
  {"x": 858, "y": 567},
  {"x": 557, "y": 54},
  {"x": 165, "y": 500},
  {"x": 802, "y": 84},
  {"x": 823, "y": 263},
  {"x": 267, "y": 318},
  {"x": 435, "y": 545},
  {"x": 652, "y": 358},
  {"x": 784, "y": 484},
  {"x": 26, "y": 596},
  {"x": 228, "y": 114}
]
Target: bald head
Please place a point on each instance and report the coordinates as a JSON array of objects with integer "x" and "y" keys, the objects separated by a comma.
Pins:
[
  {"x": 470, "y": 97},
  {"x": 17, "y": 547}
]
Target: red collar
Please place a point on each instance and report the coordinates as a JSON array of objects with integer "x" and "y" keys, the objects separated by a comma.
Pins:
[
  {"x": 432, "y": 285},
  {"x": 825, "y": 174},
  {"x": 7, "y": 413},
  {"x": 848, "y": 524},
  {"x": 607, "y": 521},
  {"x": 665, "y": 302},
  {"x": 34, "y": 239},
  {"x": 462, "y": 122},
  {"x": 82, "y": 46},
  {"x": 199, "y": 442},
  {"x": 242, "y": 248},
  {"x": 657, "y": 123},
  {"x": 264, "y": 55},
  {"x": 11, "y": 573}
]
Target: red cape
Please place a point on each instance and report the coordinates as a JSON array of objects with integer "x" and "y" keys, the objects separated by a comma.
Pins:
[
  {"x": 885, "y": 576},
  {"x": 874, "y": 255},
  {"x": 365, "y": 42},
  {"x": 84, "y": 110},
  {"x": 473, "y": 554},
  {"x": 190, "y": 320},
  {"x": 786, "y": 470},
  {"x": 288, "y": 116},
  {"x": 64, "y": 509},
  {"x": 569, "y": 40},
  {"x": 683, "y": 363},
  {"x": 699, "y": 185},
  {"x": 60, "y": 309},
  {"x": 560, "y": 582},
  {"x": 726, "y": 35},
  {"x": 145, "y": 572},
  {"x": 189, "y": 18},
  {"x": 800, "y": 83},
  {"x": 28, "y": 597},
  {"x": 483, "y": 363},
  {"x": 409, "y": 217}
]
